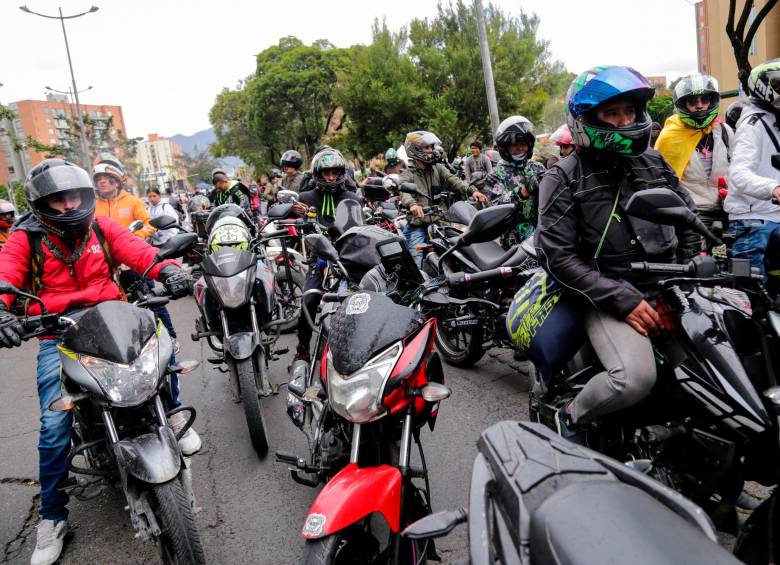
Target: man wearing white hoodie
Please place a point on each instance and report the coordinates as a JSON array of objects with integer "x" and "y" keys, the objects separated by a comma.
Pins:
[{"x": 752, "y": 180}]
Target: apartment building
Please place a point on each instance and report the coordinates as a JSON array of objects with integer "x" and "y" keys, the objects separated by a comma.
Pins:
[{"x": 157, "y": 157}]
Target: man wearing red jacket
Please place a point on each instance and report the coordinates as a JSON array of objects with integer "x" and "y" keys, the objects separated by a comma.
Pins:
[{"x": 74, "y": 274}]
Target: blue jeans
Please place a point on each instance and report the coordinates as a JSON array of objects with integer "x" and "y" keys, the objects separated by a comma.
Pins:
[
  {"x": 54, "y": 438},
  {"x": 752, "y": 238},
  {"x": 415, "y": 236}
]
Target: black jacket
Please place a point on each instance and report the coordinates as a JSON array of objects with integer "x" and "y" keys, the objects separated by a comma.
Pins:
[
  {"x": 575, "y": 202},
  {"x": 238, "y": 195},
  {"x": 326, "y": 203}
]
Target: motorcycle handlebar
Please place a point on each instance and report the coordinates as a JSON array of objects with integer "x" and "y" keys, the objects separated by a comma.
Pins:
[
  {"x": 456, "y": 280},
  {"x": 662, "y": 268}
]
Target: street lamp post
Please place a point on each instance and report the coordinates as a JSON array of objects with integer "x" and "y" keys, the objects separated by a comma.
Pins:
[
  {"x": 82, "y": 134},
  {"x": 68, "y": 93}
]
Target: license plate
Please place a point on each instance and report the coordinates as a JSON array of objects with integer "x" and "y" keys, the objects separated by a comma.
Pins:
[{"x": 462, "y": 322}]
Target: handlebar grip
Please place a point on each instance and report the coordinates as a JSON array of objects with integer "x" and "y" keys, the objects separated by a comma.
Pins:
[
  {"x": 660, "y": 268},
  {"x": 467, "y": 279},
  {"x": 332, "y": 297},
  {"x": 275, "y": 234}
]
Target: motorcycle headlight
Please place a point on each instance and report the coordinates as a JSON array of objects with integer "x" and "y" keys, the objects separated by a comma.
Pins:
[
  {"x": 232, "y": 291},
  {"x": 358, "y": 397},
  {"x": 127, "y": 385}
]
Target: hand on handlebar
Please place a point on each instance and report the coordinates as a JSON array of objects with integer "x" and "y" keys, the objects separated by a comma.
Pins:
[
  {"x": 417, "y": 211},
  {"x": 776, "y": 194},
  {"x": 478, "y": 196},
  {"x": 644, "y": 319},
  {"x": 300, "y": 208},
  {"x": 176, "y": 282},
  {"x": 10, "y": 329}
]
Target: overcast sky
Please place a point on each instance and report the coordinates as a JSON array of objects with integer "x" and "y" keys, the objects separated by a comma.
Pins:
[{"x": 164, "y": 61}]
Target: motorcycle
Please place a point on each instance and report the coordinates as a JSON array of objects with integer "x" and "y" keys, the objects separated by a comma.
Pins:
[
  {"x": 712, "y": 420},
  {"x": 236, "y": 301},
  {"x": 536, "y": 498},
  {"x": 115, "y": 363}
]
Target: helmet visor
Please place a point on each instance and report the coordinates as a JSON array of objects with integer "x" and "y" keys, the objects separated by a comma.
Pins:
[
  {"x": 58, "y": 179},
  {"x": 609, "y": 83}
]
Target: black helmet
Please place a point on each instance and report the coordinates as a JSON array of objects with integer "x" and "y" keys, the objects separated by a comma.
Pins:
[
  {"x": 697, "y": 85},
  {"x": 513, "y": 130},
  {"x": 58, "y": 176},
  {"x": 416, "y": 141},
  {"x": 276, "y": 173},
  {"x": 292, "y": 158},
  {"x": 229, "y": 210},
  {"x": 328, "y": 160},
  {"x": 734, "y": 112}
]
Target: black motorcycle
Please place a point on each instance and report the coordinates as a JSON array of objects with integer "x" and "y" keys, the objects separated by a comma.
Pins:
[
  {"x": 115, "y": 362},
  {"x": 536, "y": 498},
  {"x": 712, "y": 420},
  {"x": 235, "y": 297}
]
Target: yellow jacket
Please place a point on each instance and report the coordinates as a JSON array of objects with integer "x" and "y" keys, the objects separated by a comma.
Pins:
[{"x": 124, "y": 209}]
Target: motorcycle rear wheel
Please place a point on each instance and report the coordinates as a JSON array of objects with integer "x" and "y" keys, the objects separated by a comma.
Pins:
[
  {"x": 247, "y": 380},
  {"x": 292, "y": 289},
  {"x": 460, "y": 347},
  {"x": 179, "y": 543}
]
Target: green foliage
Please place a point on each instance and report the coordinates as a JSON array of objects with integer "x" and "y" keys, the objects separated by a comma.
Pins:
[
  {"x": 198, "y": 167},
  {"x": 660, "y": 108},
  {"x": 20, "y": 201},
  {"x": 6, "y": 113},
  {"x": 235, "y": 135}
]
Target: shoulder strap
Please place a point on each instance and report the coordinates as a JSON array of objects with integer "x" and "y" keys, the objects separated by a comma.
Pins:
[
  {"x": 769, "y": 132},
  {"x": 37, "y": 256},
  {"x": 724, "y": 135},
  {"x": 106, "y": 250}
]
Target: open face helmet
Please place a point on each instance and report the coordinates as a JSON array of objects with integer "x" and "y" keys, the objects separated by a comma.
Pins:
[
  {"x": 110, "y": 166},
  {"x": 291, "y": 158},
  {"x": 598, "y": 86},
  {"x": 60, "y": 177},
  {"x": 691, "y": 86},
  {"x": 7, "y": 214}
]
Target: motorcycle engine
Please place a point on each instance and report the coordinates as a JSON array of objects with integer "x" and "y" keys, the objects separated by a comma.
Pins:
[{"x": 334, "y": 451}]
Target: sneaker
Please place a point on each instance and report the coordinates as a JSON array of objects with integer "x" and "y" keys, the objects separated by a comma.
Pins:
[
  {"x": 48, "y": 546},
  {"x": 176, "y": 346},
  {"x": 190, "y": 442},
  {"x": 566, "y": 428}
]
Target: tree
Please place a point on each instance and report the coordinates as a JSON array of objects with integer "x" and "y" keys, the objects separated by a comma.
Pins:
[
  {"x": 443, "y": 51},
  {"x": 236, "y": 136},
  {"x": 198, "y": 167},
  {"x": 660, "y": 108},
  {"x": 740, "y": 38},
  {"x": 380, "y": 93}
]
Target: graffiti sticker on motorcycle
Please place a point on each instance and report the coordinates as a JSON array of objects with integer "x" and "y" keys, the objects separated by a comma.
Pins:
[
  {"x": 358, "y": 303},
  {"x": 313, "y": 526}
]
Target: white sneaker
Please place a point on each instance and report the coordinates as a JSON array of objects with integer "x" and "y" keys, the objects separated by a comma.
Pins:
[
  {"x": 48, "y": 546},
  {"x": 176, "y": 346},
  {"x": 190, "y": 442}
]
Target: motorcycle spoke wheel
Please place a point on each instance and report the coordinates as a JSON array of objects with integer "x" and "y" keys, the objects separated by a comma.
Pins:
[{"x": 289, "y": 296}]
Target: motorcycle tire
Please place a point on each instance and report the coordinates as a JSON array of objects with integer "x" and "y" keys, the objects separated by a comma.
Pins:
[
  {"x": 247, "y": 381},
  {"x": 179, "y": 542},
  {"x": 342, "y": 548},
  {"x": 464, "y": 352},
  {"x": 759, "y": 538},
  {"x": 282, "y": 283}
]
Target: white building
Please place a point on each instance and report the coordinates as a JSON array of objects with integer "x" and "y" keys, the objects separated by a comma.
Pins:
[{"x": 157, "y": 158}]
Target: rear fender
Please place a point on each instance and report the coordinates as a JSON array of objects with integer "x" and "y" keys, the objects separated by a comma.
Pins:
[
  {"x": 151, "y": 458},
  {"x": 241, "y": 345},
  {"x": 353, "y": 494}
]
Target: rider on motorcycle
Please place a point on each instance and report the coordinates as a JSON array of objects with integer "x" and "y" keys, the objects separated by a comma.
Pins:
[
  {"x": 293, "y": 178},
  {"x": 225, "y": 191},
  {"x": 329, "y": 173},
  {"x": 114, "y": 202},
  {"x": 696, "y": 144},
  {"x": 562, "y": 138},
  {"x": 431, "y": 177},
  {"x": 393, "y": 162},
  {"x": 516, "y": 172},
  {"x": 586, "y": 241},
  {"x": 64, "y": 252}
]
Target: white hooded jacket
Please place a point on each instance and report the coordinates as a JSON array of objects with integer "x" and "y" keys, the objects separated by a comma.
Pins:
[
  {"x": 752, "y": 178},
  {"x": 703, "y": 188}
]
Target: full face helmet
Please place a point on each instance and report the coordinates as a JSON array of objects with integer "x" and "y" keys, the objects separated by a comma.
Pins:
[
  {"x": 229, "y": 231},
  {"x": 391, "y": 158},
  {"x": 764, "y": 85},
  {"x": 329, "y": 160},
  {"x": 734, "y": 112},
  {"x": 415, "y": 144},
  {"x": 513, "y": 130},
  {"x": 229, "y": 210},
  {"x": 291, "y": 158},
  {"x": 691, "y": 86},
  {"x": 59, "y": 178},
  {"x": 601, "y": 85}
]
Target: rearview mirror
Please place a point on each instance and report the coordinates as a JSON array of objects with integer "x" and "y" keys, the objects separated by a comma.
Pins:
[
  {"x": 162, "y": 222},
  {"x": 321, "y": 246},
  {"x": 660, "y": 205},
  {"x": 136, "y": 225},
  {"x": 435, "y": 525},
  {"x": 488, "y": 224},
  {"x": 7, "y": 288},
  {"x": 410, "y": 188},
  {"x": 776, "y": 161},
  {"x": 284, "y": 196},
  {"x": 177, "y": 246}
]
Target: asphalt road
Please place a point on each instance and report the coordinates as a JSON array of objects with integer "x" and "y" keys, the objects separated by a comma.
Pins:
[{"x": 251, "y": 510}]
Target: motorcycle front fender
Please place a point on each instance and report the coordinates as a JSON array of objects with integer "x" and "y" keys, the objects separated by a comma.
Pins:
[
  {"x": 353, "y": 494},
  {"x": 241, "y": 345},
  {"x": 151, "y": 458}
]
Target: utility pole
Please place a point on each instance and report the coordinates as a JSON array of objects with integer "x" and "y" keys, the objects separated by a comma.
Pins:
[{"x": 487, "y": 69}]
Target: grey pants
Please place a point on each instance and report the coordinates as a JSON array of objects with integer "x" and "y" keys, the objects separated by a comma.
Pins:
[{"x": 628, "y": 359}]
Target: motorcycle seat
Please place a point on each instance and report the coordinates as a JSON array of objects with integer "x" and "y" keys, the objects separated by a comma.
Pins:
[
  {"x": 597, "y": 521},
  {"x": 490, "y": 255}
]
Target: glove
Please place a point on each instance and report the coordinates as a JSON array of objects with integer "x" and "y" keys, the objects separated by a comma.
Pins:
[
  {"x": 10, "y": 329},
  {"x": 176, "y": 282}
]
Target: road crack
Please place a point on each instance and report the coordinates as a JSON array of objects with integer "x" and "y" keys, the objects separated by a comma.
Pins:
[
  {"x": 19, "y": 434},
  {"x": 19, "y": 481},
  {"x": 13, "y": 548}
]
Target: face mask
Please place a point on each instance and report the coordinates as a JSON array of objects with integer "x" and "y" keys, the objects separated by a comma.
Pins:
[{"x": 519, "y": 157}]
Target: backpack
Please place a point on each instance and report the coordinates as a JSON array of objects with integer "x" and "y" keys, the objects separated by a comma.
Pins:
[{"x": 38, "y": 256}]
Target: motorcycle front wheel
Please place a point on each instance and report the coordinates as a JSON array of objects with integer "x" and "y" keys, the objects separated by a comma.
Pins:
[
  {"x": 348, "y": 547},
  {"x": 247, "y": 381},
  {"x": 289, "y": 295},
  {"x": 179, "y": 543}
]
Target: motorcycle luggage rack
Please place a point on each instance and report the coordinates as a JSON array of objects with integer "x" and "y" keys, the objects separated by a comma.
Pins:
[{"x": 77, "y": 450}]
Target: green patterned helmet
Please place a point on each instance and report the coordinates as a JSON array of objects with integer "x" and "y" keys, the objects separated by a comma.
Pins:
[
  {"x": 601, "y": 85},
  {"x": 697, "y": 85},
  {"x": 229, "y": 232},
  {"x": 329, "y": 160},
  {"x": 764, "y": 84}
]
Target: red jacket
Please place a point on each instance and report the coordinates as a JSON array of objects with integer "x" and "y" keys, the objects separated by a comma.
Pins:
[{"x": 92, "y": 283}]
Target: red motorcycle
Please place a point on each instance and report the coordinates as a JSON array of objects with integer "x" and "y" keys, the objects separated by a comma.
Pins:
[{"x": 382, "y": 383}]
